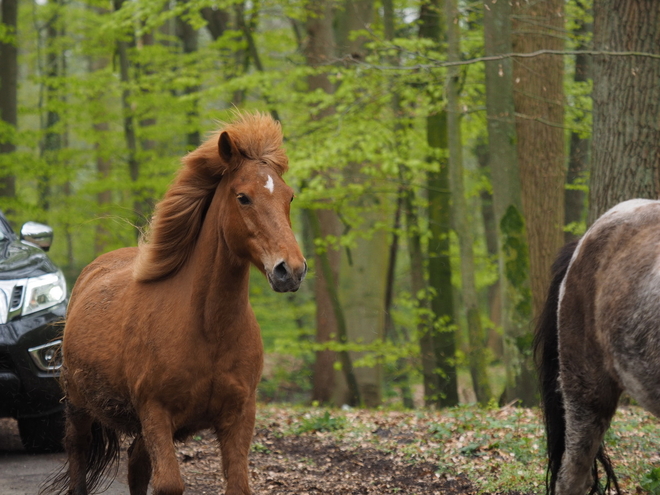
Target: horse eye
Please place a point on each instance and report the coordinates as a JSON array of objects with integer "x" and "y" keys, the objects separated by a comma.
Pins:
[
  {"x": 243, "y": 199},
  {"x": 291, "y": 199}
]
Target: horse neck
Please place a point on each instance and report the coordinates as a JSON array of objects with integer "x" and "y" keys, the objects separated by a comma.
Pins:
[{"x": 219, "y": 280}]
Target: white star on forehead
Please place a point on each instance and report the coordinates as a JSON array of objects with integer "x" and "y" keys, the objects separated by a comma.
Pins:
[{"x": 270, "y": 185}]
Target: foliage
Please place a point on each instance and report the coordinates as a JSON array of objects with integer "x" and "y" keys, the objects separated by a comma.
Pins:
[
  {"x": 349, "y": 151},
  {"x": 319, "y": 423},
  {"x": 651, "y": 481}
]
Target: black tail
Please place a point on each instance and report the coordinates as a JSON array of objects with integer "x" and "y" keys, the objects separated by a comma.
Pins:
[
  {"x": 546, "y": 353},
  {"x": 102, "y": 464}
]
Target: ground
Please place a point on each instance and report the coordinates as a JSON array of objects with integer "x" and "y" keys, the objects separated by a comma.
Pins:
[
  {"x": 458, "y": 451},
  {"x": 318, "y": 451},
  {"x": 310, "y": 464}
]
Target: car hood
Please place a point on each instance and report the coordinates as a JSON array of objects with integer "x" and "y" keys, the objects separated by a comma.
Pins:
[{"x": 19, "y": 259}]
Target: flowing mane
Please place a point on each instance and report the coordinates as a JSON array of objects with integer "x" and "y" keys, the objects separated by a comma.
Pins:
[{"x": 178, "y": 217}]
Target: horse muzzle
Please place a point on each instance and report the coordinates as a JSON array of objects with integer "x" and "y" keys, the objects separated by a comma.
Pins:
[{"x": 283, "y": 278}]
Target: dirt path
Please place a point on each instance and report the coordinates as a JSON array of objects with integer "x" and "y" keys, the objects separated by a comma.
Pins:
[{"x": 310, "y": 464}]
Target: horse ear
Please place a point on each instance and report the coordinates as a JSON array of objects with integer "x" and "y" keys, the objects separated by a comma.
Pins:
[{"x": 226, "y": 148}]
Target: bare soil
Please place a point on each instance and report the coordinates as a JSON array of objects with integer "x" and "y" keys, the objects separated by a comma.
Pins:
[{"x": 311, "y": 464}]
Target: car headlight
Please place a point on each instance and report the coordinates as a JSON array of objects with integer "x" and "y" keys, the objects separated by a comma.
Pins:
[{"x": 43, "y": 292}]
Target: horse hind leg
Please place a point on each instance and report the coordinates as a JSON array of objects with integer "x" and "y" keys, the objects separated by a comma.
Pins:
[
  {"x": 588, "y": 411},
  {"x": 139, "y": 467},
  {"x": 77, "y": 443}
]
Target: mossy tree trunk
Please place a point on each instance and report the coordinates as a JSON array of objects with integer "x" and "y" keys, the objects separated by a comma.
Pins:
[
  {"x": 513, "y": 254},
  {"x": 442, "y": 341},
  {"x": 478, "y": 355}
]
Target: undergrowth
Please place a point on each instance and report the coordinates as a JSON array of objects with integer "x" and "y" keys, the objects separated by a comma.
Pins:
[{"x": 498, "y": 449}]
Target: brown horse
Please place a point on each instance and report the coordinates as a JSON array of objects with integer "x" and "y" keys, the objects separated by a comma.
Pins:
[
  {"x": 599, "y": 335},
  {"x": 161, "y": 340}
]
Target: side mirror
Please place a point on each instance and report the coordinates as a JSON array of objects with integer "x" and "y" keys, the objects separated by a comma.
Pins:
[{"x": 38, "y": 234}]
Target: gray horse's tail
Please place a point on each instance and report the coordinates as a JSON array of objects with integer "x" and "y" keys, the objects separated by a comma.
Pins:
[
  {"x": 102, "y": 464},
  {"x": 546, "y": 353}
]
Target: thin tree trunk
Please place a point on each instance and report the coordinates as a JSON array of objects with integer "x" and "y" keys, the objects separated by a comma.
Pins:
[
  {"x": 188, "y": 36},
  {"x": 418, "y": 279},
  {"x": 402, "y": 379},
  {"x": 218, "y": 21},
  {"x": 246, "y": 29},
  {"x": 362, "y": 286},
  {"x": 103, "y": 162},
  {"x": 477, "y": 339},
  {"x": 9, "y": 90},
  {"x": 419, "y": 289},
  {"x": 513, "y": 254},
  {"x": 354, "y": 395},
  {"x": 439, "y": 216},
  {"x": 578, "y": 160},
  {"x": 129, "y": 122},
  {"x": 626, "y": 102},
  {"x": 52, "y": 142},
  {"x": 319, "y": 49}
]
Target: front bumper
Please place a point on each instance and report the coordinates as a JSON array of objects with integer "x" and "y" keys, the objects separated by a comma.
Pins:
[{"x": 25, "y": 389}]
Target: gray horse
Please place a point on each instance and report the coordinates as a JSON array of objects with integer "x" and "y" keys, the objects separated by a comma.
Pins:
[{"x": 599, "y": 335}]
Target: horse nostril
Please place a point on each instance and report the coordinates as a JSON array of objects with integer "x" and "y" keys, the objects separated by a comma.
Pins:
[{"x": 281, "y": 271}]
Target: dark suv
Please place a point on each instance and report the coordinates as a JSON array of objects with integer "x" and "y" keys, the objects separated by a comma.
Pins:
[{"x": 32, "y": 309}]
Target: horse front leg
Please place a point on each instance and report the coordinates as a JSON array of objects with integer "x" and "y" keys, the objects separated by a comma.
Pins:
[
  {"x": 139, "y": 467},
  {"x": 235, "y": 433},
  {"x": 589, "y": 406},
  {"x": 158, "y": 438},
  {"x": 77, "y": 443}
]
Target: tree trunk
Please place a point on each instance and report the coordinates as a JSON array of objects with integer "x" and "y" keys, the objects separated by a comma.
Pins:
[
  {"x": 353, "y": 397},
  {"x": 103, "y": 162},
  {"x": 188, "y": 36},
  {"x": 626, "y": 102},
  {"x": 418, "y": 279},
  {"x": 363, "y": 282},
  {"x": 477, "y": 356},
  {"x": 539, "y": 103},
  {"x": 318, "y": 49},
  {"x": 52, "y": 142},
  {"x": 443, "y": 341},
  {"x": 513, "y": 254},
  {"x": 129, "y": 122},
  {"x": 401, "y": 379},
  {"x": 247, "y": 29},
  {"x": 578, "y": 158},
  {"x": 9, "y": 93}
]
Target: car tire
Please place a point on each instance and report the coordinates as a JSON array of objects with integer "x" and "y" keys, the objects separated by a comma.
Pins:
[{"x": 43, "y": 433}]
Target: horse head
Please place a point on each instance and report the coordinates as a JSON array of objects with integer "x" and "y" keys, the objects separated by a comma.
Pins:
[{"x": 256, "y": 221}]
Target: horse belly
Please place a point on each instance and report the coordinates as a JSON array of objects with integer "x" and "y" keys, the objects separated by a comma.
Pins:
[{"x": 629, "y": 319}]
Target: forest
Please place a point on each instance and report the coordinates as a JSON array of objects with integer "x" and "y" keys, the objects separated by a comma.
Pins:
[{"x": 441, "y": 154}]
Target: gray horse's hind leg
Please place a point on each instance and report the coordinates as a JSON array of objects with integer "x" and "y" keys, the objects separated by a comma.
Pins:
[
  {"x": 590, "y": 401},
  {"x": 139, "y": 467}
]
